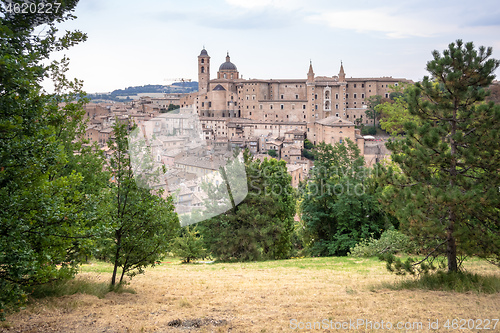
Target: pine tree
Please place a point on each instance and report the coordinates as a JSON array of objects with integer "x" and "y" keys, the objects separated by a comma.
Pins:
[{"x": 447, "y": 192}]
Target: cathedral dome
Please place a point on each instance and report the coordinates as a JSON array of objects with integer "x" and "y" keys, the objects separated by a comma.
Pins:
[{"x": 228, "y": 65}]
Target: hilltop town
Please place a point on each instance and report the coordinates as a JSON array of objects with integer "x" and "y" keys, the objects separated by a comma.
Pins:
[{"x": 267, "y": 116}]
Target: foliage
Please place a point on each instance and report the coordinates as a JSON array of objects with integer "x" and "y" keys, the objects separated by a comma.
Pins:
[
  {"x": 461, "y": 282},
  {"x": 139, "y": 224},
  {"x": 391, "y": 241},
  {"x": 272, "y": 153},
  {"x": 368, "y": 130},
  {"x": 189, "y": 245},
  {"x": 46, "y": 212},
  {"x": 444, "y": 187},
  {"x": 394, "y": 113},
  {"x": 338, "y": 206},
  {"x": 307, "y": 152},
  {"x": 372, "y": 112},
  {"x": 261, "y": 226},
  {"x": 308, "y": 144}
]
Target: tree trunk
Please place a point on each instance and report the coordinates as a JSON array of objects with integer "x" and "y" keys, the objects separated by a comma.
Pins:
[
  {"x": 117, "y": 257},
  {"x": 451, "y": 246}
]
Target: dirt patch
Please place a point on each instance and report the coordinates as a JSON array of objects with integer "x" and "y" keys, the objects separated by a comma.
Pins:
[{"x": 197, "y": 323}]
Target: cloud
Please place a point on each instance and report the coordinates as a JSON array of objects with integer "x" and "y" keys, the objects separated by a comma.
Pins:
[
  {"x": 492, "y": 19},
  {"x": 379, "y": 20},
  {"x": 233, "y": 19}
]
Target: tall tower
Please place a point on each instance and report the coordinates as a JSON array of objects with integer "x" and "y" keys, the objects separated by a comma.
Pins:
[
  {"x": 203, "y": 71},
  {"x": 311, "y": 109},
  {"x": 341, "y": 73},
  {"x": 310, "y": 73}
]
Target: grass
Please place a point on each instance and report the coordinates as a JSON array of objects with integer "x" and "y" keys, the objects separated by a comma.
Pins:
[
  {"x": 458, "y": 282},
  {"x": 255, "y": 297}
]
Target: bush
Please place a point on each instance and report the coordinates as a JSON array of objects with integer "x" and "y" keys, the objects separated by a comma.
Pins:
[
  {"x": 368, "y": 130},
  {"x": 391, "y": 241},
  {"x": 461, "y": 282}
]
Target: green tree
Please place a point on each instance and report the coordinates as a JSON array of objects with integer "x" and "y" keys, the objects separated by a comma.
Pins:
[
  {"x": 272, "y": 153},
  {"x": 189, "y": 245},
  {"x": 371, "y": 111},
  {"x": 394, "y": 113},
  {"x": 261, "y": 226},
  {"x": 44, "y": 211},
  {"x": 444, "y": 187},
  {"x": 339, "y": 207},
  {"x": 140, "y": 224}
]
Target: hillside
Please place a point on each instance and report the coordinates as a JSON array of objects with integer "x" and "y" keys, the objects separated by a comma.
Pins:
[{"x": 131, "y": 92}]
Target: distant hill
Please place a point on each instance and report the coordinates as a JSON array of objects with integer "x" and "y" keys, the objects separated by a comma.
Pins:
[{"x": 127, "y": 93}]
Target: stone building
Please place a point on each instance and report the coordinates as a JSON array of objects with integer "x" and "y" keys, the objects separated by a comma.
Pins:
[{"x": 278, "y": 106}]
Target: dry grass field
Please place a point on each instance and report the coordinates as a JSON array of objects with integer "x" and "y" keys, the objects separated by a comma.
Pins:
[{"x": 257, "y": 297}]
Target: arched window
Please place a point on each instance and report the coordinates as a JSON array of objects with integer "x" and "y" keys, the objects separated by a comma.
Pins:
[
  {"x": 225, "y": 76},
  {"x": 202, "y": 61},
  {"x": 202, "y": 69},
  {"x": 327, "y": 105},
  {"x": 327, "y": 94}
]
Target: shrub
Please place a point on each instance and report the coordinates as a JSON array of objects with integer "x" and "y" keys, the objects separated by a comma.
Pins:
[
  {"x": 391, "y": 241},
  {"x": 368, "y": 130},
  {"x": 189, "y": 246}
]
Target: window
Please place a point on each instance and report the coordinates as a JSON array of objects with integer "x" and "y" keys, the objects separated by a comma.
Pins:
[
  {"x": 271, "y": 106},
  {"x": 386, "y": 95},
  {"x": 282, "y": 96},
  {"x": 362, "y": 85},
  {"x": 296, "y": 96},
  {"x": 202, "y": 104},
  {"x": 304, "y": 106},
  {"x": 247, "y": 97},
  {"x": 347, "y": 85},
  {"x": 315, "y": 96},
  {"x": 327, "y": 94},
  {"x": 355, "y": 85},
  {"x": 346, "y": 95},
  {"x": 362, "y": 95},
  {"x": 260, "y": 106},
  {"x": 225, "y": 75},
  {"x": 202, "y": 68},
  {"x": 253, "y": 97},
  {"x": 209, "y": 104},
  {"x": 282, "y": 106},
  {"x": 336, "y": 115},
  {"x": 355, "y": 95},
  {"x": 336, "y": 106},
  {"x": 336, "y": 96}
]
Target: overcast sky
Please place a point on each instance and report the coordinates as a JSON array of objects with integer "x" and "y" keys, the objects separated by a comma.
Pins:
[{"x": 135, "y": 43}]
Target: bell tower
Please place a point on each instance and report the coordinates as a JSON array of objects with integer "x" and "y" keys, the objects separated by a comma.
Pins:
[
  {"x": 341, "y": 73},
  {"x": 203, "y": 71}
]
